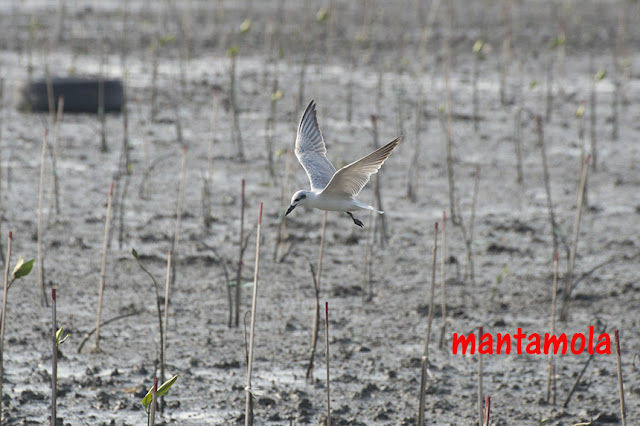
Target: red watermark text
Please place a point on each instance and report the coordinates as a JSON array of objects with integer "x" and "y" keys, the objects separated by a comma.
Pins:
[{"x": 534, "y": 343}]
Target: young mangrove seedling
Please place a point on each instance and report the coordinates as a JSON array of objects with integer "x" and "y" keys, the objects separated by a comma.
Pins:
[{"x": 146, "y": 401}]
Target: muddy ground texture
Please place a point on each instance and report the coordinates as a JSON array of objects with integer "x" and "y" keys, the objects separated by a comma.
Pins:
[{"x": 375, "y": 345}]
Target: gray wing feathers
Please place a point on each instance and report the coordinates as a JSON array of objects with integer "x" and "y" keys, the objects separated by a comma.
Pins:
[
  {"x": 353, "y": 177},
  {"x": 311, "y": 150}
]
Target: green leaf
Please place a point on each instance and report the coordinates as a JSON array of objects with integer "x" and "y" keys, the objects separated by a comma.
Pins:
[
  {"x": 22, "y": 268},
  {"x": 533, "y": 84},
  {"x": 146, "y": 401},
  {"x": 477, "y": 46},
  {"x": 602, "y": 73},
  {"x": 245, "y": 26},
  {"x": 322, "y": 15},
  {"x": 277, "y": 95},
  {"x": 59, "y": 339},
  {"x": 580, "y": 111},
  {"x": 232, "y": 51},
  {"x": 169, "y": 38},
  {"x": 134, "y": 252},
  {"x": 559, "y": 41}
]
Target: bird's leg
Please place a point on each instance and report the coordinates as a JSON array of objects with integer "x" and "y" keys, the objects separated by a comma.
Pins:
[{"x": 356, "y": 221}]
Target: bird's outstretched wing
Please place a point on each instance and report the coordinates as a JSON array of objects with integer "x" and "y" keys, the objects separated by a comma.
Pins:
[
  {"x": 311, "y": 151},
  {"x": 353, "y": 177}
]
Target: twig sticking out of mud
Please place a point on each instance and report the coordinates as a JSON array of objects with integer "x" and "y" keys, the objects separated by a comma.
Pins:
[
  {"x": 3, "y": 315},
  {"x": 179, "y": 204},
  {"x": 443, "y": 279},
  {"x": 584, "y": 369},
  {"x": 412, "y": 183},
  {"x": 480, "y": 398},
  {"x": 101, "y": 113},
  {"x": 154, "y": 76},
  {"x": 125, "y": 171},
  {"x": 54, "y": 199},
  {"x": 1, "y": 125},
  {"x": 241, "y": 252},
  {"x": 282, "y": 235},
  {"x": 208, "y": 176},
  {"x": 54, "y": 362},
  {"x": 487, "y": 410},
  {"x": 163, "y": 361},
  {"x": 89, "y": 333},
  {"x": 326, "y": 342},
  {"x": 506, "y": 50},
  {"x": 623, "y": 415},
  {"x": 152, "y": 414},
  {"x": 424, "y": 363},
  {"x": 592, "y": 116},
  {"x": 316, "y": 286},
  {"x": 103, "y": 268},
  {"x": 379, "y": 219},
  {"x": 248, "y": 414},
  {"x": 561, "y": 45},
  {"x": 40, "y": 232},
  {"x": 270, "y": 125},
  {"x": 547, "y": 183},
  {"x": 574, "y": 243},
  {"x": 367, "y": 291},
  {"x": 551, "y": 375},
  {"x": 549, "y": 83},
  {"x": 517, "y": 132},
  {"x": 236, "y": 135}
]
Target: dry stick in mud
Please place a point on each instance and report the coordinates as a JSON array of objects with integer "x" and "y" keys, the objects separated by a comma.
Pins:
[
  {"x": 367, "y": 293},
  {"x": 270, "y": 128},
  {"x": 574, "y": 242},
  {"x": 472, "y": 218},
  {"x": 282, "y": 235},
  {"x": 506, "y": 50},
  {"x": 477, "y": 57},
  {"x": 412, "y": 182},
  {"x": 316, "y": 313},
  {"x": 54, "y": 192},
  {"x": 40, "y": 231},
  {"x": 551, "y": 374},
  {"x": 443, "y": 279},
  {"x": 1, "y": 125},
  {"x": 547, "y": 184},
  {"x": 101, "y": 112},
  {"x": 240, "y": 253},
  {"x": 125, "y": 170},
  {"x": 236, "y": 135},
  {"x": 549, "y": 83},
  {"x": 623, "y": 415},
  {"x": 487, "y": 411},
  {"x": 166, "y": 322},
  {"x": 207, "y": 216},
  {"x": 179, "y": 204},
  {"x": 584, "y": 369},
  {"x": 103, "y": 269},
  {"x": 3, "y": 315},
  {"x": 89, "y": 333},
  {"x": 480, "y": 392},
  {"x": 154, "y": 77},
  {"x": 425, "y": 356},
  {"x": 54, "y": 364},
  {"x": 517, "y": 131},
  {"x": 326, "y": 342},
  {"x": 248, "y": 413},
  {"x": 378, "y": 193}
]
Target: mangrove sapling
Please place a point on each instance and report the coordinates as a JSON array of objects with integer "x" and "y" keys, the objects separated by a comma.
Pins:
[
  {"x": 58, "y": 339},
  {"x": 326, "y": 343},
  {"x": 623, "y": 415},
  {"x": 158, "y": 302},
  {"x": 248, "y": 413},
  {"x": 443, "y": 279},
  {"x": 148, "y": 402},
  {"x": 425, "y": 356},
  {"x": 480, "y": 391},
  {"x": 40, "y": 232},
  {"x": 240, "y": 254},
  {"x": 574, "y": 241},
  {"x": 103, "y": 269},
  {"x": 551, "y": 375},
  {"x": 21, "y": 269}
]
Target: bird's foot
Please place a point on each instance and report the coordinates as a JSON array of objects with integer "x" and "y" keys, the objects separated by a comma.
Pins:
[{"x": 356, "y": 221}]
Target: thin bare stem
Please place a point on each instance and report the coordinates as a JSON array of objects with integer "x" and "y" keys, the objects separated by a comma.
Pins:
[
  {"x": 487, "y": 410},
  {"x": 443, "y": 279},
  {"x": 425, "y": 357},
  {"x": 316, "y": 283},
  {"x": 166, "y": 319},
  {"x": 103, "y": 268},
  {"x": 3, "y": 315},
  {"x": 574, "y": 243},
  {"x": 554, "y": 292},
  {"x": 248, "y": 414},
  {"x": 53, "y": 153},
  {"x": 43, "y": 298},
  {"x": 152, "y": 415},
  {"x": 241, "y": 252},
  {"x": 54, "y": 362},
  {"x": 179, "y": 204},
  {"x": 326, "y": 342},
  {"x": 480, "y": 398},
  {"x": 547, "y": 183},
  {"x": 623, "y": 415}
]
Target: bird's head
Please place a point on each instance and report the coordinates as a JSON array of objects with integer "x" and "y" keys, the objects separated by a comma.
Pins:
[{"x": 298, "y": 198}]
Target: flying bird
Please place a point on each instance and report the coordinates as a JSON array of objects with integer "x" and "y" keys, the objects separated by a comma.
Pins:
[{"x": 330, "y": 189}]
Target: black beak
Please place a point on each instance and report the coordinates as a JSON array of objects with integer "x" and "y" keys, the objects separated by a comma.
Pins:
[{"x": 290, "y": 209}]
